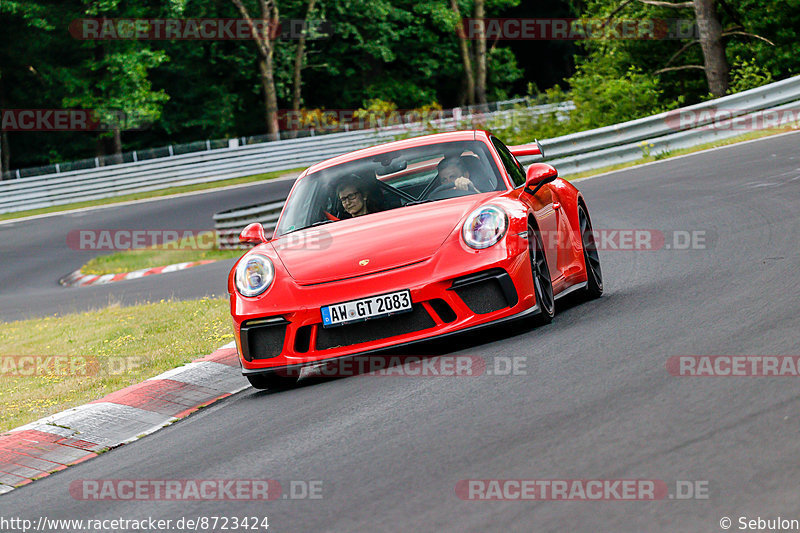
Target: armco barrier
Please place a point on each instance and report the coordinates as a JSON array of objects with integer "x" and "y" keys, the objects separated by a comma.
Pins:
[
  {"x": 309, "y": 130},
  {"x": 571, "y": 153},
  {"x": 760, "y": 98},
  {"x": 663, "y": 145},
  {"x": 228, "y": 224},
  {"x": 622, "y": 143},
  {"x": 212, "y": 165}
]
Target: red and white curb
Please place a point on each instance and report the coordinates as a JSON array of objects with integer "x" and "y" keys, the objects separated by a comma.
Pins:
[
  {"x": 79, "y": 279},
  {"x": 64, "y": 439}
]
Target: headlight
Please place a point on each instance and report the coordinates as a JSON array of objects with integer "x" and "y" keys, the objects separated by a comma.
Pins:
[
  {"x": 254, "y": 275},
  {"x": 484, "y": 227}
]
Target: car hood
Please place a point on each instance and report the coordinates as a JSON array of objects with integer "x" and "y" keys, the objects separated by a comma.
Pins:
[{"x": 380, "y": 241}]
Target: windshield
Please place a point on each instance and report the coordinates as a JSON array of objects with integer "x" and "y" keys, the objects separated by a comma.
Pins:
[{"x": 390, "y": 180}]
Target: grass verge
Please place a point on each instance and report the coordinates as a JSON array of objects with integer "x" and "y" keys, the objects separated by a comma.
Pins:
[
  {"x": 149, "y": 194},
  {"x": 195, "y": 248},
  {"x": 100, "y": 351}
]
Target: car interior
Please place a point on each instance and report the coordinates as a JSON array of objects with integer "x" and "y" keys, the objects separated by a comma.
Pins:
[{"x": 393, "y": 180}]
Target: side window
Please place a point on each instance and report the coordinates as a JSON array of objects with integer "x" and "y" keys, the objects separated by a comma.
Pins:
[{"x": 513, "y": 168}]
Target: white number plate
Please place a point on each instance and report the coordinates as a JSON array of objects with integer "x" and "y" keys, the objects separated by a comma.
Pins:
[{"x": 366, "y": 308}]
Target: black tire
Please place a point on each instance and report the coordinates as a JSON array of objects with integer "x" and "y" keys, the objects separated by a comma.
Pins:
[
  {"x": 542, "y": 282},
  {"x": 591, "y": 258},
  {"x": 271, "y": 381}
]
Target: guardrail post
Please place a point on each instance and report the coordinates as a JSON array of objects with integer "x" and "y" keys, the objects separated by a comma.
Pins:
[
  {"x": 135, "y": 158},
  {"x": 208, "y": 144}
]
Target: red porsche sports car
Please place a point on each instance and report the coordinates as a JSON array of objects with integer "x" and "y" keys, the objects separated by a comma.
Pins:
[{"x": 404, "y": 242}]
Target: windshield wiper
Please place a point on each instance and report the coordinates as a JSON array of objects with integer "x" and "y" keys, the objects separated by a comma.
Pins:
[
  {"x": 417, "y": 202},
  {"x": 321, "y": 222},
  {"x": 318, "y": 223}
]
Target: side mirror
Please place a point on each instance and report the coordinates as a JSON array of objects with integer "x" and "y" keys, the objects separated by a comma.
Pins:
[
  {"x": 537, "y": 175},
  {"x": 253, "y": 233}
]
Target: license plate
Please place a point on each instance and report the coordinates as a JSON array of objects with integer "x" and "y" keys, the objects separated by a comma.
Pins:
[{"x": 366, "y": 308}]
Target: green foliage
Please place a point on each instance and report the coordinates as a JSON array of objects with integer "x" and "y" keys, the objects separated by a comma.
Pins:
[
  {"x": 34, "y": 14},
  {"x": 776, "y": 20},
  {"x": 501, "y": 65},
  {"x": 401, "y": 51},
  {"x": 603, "y": 96},
  {"x": 748, "y": 75},
  {"x": 117, "y": 87}
]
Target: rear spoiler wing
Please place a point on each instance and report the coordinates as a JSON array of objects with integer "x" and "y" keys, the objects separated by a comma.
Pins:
[{"x": 522, "y": 150}]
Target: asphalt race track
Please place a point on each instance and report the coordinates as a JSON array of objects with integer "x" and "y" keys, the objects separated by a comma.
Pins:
[
  {"x": 596, "y": 400},
  {"x": 35, "y": 253}
]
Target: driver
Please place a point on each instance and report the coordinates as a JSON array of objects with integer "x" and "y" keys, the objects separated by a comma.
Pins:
[{"x": 453, "y": 172}]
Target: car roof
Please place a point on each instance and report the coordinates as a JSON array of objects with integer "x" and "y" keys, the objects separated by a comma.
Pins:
[{"x": 414, "y": 142}]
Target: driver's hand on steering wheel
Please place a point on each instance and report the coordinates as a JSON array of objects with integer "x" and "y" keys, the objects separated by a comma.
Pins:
[{"x": 464, "y": 184}]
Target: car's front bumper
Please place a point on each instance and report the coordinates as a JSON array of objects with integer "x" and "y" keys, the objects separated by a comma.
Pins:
[
  {"x": 285, "y": 330},
  {"x": 294, "y": 369}
]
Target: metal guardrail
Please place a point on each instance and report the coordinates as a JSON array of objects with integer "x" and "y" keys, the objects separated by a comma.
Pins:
[
  {"x": 662, "y": 146},
  {"x": 228, "y": 224},
  {"x": 757, "y": 99},
  {"x": 665, "y": 132},
  {"x": 213, "y": 165},
  {"x": 620, "y": 143},
  {"x": 571, "y": 153},
  {"x": 207, "y": 145}
]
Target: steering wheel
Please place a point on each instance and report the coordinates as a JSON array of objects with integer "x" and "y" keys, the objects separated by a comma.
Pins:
[{"x": 449, "y": 188}]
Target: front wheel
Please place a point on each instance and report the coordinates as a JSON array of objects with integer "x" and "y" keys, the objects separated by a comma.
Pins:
[
  {"x": 594, "y": 276},
  {"x": 542, "y": 283},
  {"x": 271, "y": 381}
]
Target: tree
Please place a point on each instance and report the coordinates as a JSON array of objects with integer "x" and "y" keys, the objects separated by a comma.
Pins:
[
  {"x": 5, "y": 154},
  {"x": 299, "y": 60},
  {"x": 710, "y": 39},
  {"x": 115, "y": 85},
  {"x": 480, "y": 55},
  {"x": 33, "y": 17},
  {"x": 463, "y": 44},
  {"x": 266, "y": 40},
  {"x": 476, "y": 59},
  {"x": 112, "y": 77},
  {"x": 710, "y": 36}
]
